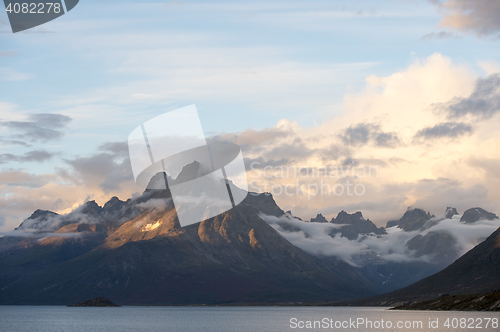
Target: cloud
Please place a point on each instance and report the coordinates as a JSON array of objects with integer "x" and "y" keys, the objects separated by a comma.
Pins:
[
  {"x": 390, "y": 247},
  {"x": 31, "y": 156},
  {"x": 358, "y": 135},
  {"x": 445, "y": 130},
  {"x": 109, "y": 170},
  {"x": 481, "y": 17},
  {"x": 365, "y": 133},
  {"x": 39, "y": 235},
  {"x": 98, "y": 176},
  {"x": 39, "y": 127},
  {"x": 490, "y": 167},
  {"x": 9, "y": 54},
  {"x": 388, "y": 112},
  {"x": 33, "y": 131},
  {"x": 295, "y": 150},
  {"x": 24, "y": 179},
  {"x": 435, "y": 194},
  {"x": 155, "y": 204},
  {"x": 50, "y": 120},
  {"x": 255, "y": 139},
  {"x": 489, "y": 67},
  {"x": 439, "y": 35},
  {"x": 14, "y": 142},
  {"x": 261, "y": 163},
  {"x": 118, "y": 148},
  {"x": 483, "y": 102}
]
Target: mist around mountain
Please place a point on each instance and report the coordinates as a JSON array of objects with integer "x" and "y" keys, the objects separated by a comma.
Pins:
[
  {"x": 135, "y": 252},
  {"x": 409, "y": 249},
  {"x": 476, "y": 275}
]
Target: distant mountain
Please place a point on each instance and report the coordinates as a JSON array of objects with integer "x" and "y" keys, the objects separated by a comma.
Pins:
[
  {"x": 450, "y": 212},
  {"x": 355, "y": 225},
  {"x": 319, "y": 218},
  {"x": 38, "y": 220},
  {"x": 412, "y": 220},
  {"x": 441, "y": 246},
  {"x": 478, "y": 271},
  {"x": 472, "y": 215},
  {"x": 235, "y": 257},
  {"x": 412, "y": 248}
]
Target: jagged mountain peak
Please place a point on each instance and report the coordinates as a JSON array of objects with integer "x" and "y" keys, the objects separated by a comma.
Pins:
[
  {"x": 42, "y": 214},
  {"x": 263, "y": 203},
  {"x": 355, "y": 225},
  {"x": 37, "y": 219},
  {"x": 450, "y": 212},
  {"x": 319, "y": 218},
  {"x": 344, "y": 217},
  {"x": 112, "y": 202},
  {"x": 476, "y": 214},
  {"x": 91, "y": 208},
  {"x": 192, "y": 171},
  {"x": 413, "y": 219},
  {"x": 159, "y": 181}
]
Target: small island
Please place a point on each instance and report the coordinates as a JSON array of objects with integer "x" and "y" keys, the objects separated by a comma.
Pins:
[
  {"x": 95, "y": 302},
  {"x": 462, "y": 302}
]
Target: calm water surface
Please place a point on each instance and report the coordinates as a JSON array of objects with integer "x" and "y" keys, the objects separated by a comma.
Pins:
[{"x": 220, "y": 319}]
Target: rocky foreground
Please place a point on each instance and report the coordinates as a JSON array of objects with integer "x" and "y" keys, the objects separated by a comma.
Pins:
[{"x": 463, "y": 302}]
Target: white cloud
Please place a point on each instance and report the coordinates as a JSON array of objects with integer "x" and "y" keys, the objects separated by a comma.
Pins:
[
  {"x": 489, "y": 67},
  {"x": 390, "y": 247},
  {"x": 432, "y": 173}
]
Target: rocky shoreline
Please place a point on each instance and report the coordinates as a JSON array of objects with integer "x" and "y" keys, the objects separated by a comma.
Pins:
[{"x": 464, "y": 302}]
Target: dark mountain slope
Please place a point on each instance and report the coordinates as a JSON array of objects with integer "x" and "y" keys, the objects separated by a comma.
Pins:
[
  {"x": 475, "y": 272},
  {"x": 32, "y": 254}
]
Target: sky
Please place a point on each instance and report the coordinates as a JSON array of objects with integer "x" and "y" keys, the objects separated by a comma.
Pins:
[{"x": 407, "y": 89}]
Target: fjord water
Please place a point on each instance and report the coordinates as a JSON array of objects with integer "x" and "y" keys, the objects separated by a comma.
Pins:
[{"x": 221, "y": 319}]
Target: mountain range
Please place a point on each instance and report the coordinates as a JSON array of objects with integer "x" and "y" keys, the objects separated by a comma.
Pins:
[
  {"x": 235, "y": 257},
  {"x": 134, "y": 252},
  {"x": 406, "y": 250}
]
